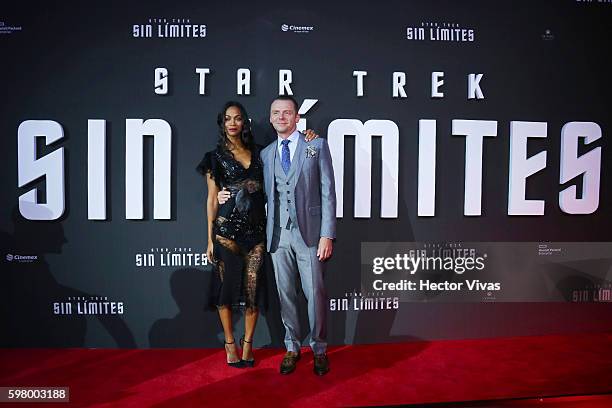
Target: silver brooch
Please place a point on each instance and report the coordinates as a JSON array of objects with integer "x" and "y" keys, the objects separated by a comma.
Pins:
[{"x": 311, "y": 152}]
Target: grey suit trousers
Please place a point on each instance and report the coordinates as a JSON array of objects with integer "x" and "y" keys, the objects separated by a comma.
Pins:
[{"x": 291, "y": 257}]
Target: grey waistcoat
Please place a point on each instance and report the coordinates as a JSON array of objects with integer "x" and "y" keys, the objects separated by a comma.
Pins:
[{"x": 284, "y": 199}]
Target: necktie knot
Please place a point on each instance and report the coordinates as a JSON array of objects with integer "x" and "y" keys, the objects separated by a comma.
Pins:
[{"x": 285, "y": 142}]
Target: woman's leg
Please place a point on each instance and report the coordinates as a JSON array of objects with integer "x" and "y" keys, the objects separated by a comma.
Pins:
[
  {"x": 225, "y": 314},
  {"x": 225, "y": 311},
  {"x": 253, "y": 267},
  {"x": 250, "y": 321}
]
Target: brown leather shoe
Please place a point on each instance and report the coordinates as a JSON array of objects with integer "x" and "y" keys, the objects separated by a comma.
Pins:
[
  {"x": 321, "y": 364},
  {"x": 289, "y": 362}
]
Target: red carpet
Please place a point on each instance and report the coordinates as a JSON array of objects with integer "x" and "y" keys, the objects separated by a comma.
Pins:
[{"x": 390, "y": 374}]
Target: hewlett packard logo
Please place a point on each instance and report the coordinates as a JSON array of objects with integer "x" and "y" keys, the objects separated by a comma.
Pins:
[
  {"x": 9, "y": 28},
  {"x": 595, "y": 2}
]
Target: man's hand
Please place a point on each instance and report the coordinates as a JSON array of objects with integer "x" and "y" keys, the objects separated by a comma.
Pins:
[
  {"x": 223, "y": 196},
  {"x": 324, "y": 251}
]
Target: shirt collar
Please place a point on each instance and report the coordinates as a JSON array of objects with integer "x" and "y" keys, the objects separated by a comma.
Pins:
[{"x": 293, "y": 137}]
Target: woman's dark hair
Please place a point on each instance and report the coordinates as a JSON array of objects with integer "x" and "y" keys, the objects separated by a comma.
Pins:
[{"x": 246, "y": 136}]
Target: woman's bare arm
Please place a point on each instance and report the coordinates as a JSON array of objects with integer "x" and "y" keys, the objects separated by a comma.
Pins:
[{"x": 212, "y": 206}]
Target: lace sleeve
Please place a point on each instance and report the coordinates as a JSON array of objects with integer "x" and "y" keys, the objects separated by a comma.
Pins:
[{"x": 209, "y": 165}]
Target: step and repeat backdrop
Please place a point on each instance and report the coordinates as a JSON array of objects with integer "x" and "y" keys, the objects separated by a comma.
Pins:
[{"x": 470, "y": 145}]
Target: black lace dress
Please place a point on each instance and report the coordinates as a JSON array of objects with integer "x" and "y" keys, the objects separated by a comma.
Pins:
[{"x": 239, "y": 231}]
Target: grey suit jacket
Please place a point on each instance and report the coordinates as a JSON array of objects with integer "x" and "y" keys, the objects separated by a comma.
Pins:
[{"x": 313, "y": 187}]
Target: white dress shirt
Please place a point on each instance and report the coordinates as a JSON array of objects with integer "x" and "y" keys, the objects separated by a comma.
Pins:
[{"x": 294, "y": 137}]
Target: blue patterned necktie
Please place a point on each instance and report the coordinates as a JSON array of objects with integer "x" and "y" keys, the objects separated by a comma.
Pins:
[{"x": 285, "y": 157}]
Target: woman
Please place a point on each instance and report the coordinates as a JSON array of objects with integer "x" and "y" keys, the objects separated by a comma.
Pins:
[{"x": 236, "y": 229}]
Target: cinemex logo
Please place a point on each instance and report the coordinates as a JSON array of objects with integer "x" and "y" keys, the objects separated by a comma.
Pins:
[
  {"x": 489, "y": 297},
  {"x": 440, "y": 32},
  {"x": 296, "y": 29},
  {"x": 548, "y": 35},
  {"x": 8, "y": 29},
  {"x": 170, "y": 257},
  {"x": 21, "y": 258},
  {"x": 169, "y": 28}
]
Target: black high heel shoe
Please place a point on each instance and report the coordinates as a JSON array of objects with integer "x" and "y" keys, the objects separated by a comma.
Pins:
[
  {"x": 251, "y": 362},
  {"x": 235, "y": 364}
]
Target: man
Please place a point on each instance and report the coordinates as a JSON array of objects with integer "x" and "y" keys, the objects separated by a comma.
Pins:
[{"x": 301, "y": 227}]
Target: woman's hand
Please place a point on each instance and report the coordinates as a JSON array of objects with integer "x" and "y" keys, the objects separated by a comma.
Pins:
[
  {"x": 310, "y": 135},
  {"x": 209, "y": 252}
]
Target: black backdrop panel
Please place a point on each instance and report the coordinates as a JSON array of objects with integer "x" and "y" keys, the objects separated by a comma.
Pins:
[{"x": 80, "y": 282}]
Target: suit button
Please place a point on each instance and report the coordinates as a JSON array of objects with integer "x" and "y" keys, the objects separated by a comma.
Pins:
[
  {"x": 287, "y": 183},
  {"x": 288, "y": 192},
  {"x": 289, "y": 201}
]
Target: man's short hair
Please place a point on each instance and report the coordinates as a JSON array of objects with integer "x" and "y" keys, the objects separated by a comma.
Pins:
[{"x": 287, "y": 98}]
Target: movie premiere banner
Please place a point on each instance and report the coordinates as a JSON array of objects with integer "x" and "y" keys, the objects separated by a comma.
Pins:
[{"x": 470, "y": 146}]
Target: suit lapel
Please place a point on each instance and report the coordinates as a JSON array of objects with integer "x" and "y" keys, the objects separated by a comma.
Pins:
[
  {"x": 270, "y": 169},
  {"x": 298, "y": 156}
]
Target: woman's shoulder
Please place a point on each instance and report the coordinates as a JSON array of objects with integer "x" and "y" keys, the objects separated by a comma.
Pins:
[
  {"x": 213, "y": 152},
  {"x": 215, "y": 155},
  {"x": 208, "y": 164}
]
